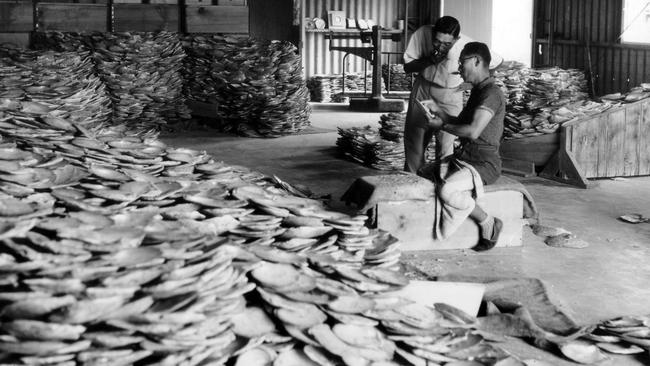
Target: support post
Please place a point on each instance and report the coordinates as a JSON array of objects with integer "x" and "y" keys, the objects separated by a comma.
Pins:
[{"x": 563, "y": 167}]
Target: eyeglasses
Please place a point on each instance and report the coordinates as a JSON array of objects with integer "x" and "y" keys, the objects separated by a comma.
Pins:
[
  {"x": 462, "y": 60},
  {"x": 437, "y": 42}
]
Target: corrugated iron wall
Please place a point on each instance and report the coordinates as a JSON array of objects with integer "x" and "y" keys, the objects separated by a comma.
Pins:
[
  {"x": 317, "y": 58},
  {"x": 567, "y": 29}
]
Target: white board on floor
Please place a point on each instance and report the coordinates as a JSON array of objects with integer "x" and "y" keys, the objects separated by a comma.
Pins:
[{"x": 465, "y": 296}]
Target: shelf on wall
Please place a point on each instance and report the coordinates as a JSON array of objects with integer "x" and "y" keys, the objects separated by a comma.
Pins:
[{"x": 352, "y": 31}]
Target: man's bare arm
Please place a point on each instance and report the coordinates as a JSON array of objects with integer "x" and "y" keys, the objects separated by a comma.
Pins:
[{"x": 473, "y": 130}]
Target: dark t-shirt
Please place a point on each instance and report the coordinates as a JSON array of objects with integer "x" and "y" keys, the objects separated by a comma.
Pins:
[{"x": 483, "y": 153}]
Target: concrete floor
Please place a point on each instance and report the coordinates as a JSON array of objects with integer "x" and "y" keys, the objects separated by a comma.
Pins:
[{"x": 608, "y": 279}]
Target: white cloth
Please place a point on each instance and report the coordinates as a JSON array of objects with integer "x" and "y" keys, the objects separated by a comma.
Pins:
[{"x": 450, "y": 215}]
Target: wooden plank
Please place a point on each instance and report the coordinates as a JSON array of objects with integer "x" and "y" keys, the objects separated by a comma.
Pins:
[
  {"x": 600, "y": 69},
  {"x": 16, "y": 16},
  {"x": 163, "y": 2},
  {"x": 644, "y": 138},
  {"x": 639, "y": 62},
  {"x": 74, "y": 1},
  {"x": 633, "y": 113},
  {"x": 536, "y": 149},
  {"x": 601, "y": 25},
  {"x": 626, "y": 67},
  {"x": 616, "y": 143},
  {"x": 616, "y": 70},
  {"x": 580, "y": 20},
  {"x": 603, "y": 143},
  {"x": 608, "y": 72},
  {"x": 200, "y": 2},
  {"x": 217, "y": 19},
  {"x": 17, "y": 39},
  {"x": 232, "y": 2},
  {"x": 72, "y": 17},
  {"x": 145, "y": 17},
  {"x": 562, "y": 21},
  {"x": 592, "y": 20},
  {"x": 518, "y": 167},
  {"x": 584, "y": 146},
  {"x": 574, "y": 20}
]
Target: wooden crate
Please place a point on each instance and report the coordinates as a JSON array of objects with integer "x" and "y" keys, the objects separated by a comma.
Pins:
[
  {"x": 72, "y": 17},
  {"x": 217, "y": 19},
  {"x": 145, "y": 17},
  {"x": 615, "y": 143}
]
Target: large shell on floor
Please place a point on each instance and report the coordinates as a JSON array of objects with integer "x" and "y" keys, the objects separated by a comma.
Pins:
[
  {"x": 33, "y": 329},
  {"x": 582, "y": 352},
  {"x": 351, "y": 304},
  {"x": 303, "y": 316},
  {"x": 252, "y": 322},
  {"x": 276, "y": 275}
]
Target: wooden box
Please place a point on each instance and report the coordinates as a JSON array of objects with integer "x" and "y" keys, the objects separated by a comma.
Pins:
[
  {"x": 535, "y": 149},
  {"x": 614, "y": 143}
]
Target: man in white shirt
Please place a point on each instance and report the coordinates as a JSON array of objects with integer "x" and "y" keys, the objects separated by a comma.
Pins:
[{"x": 433, "y": 53}]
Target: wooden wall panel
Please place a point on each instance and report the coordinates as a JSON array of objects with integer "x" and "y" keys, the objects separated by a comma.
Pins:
[
  {"x": 615, "y": 143},
  {"x": 602, "y": 145},
  {"x": 584, "y": 145},
  {"x": 17, "y": 39},
  {"x": 564, "y": 28},
  {"x": 72, "y": 17},
  {"x": 273, "y": 20},
  {"x": 145, "y": 17},
  {"x": 644, "y": 137},
  {"x": 632, "y": 142},
  {"x": 16, "y": 16},
  {"x": 217, "y": 19}
]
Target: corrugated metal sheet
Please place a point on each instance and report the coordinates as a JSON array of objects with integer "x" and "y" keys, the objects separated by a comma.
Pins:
[
  {"x": 318, "y": 59},
  {"x": 564, "y": 28}
]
